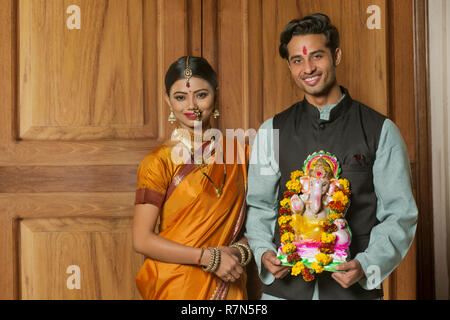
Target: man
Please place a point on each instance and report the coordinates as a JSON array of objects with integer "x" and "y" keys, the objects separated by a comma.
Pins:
[{"x": 373, "y": 157}]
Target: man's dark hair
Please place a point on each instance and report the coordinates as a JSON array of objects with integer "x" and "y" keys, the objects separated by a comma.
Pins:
[{"x": 317, "y": 23}]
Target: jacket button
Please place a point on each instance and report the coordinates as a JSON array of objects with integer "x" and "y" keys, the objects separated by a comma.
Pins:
[{"x": 322, "y": 126}]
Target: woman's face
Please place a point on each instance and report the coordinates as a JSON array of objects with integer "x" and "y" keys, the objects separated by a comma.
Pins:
[{"x": 184, "y": 100}]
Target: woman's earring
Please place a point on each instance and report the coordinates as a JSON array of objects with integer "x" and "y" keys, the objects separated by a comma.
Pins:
[
  {"x": 216, "y": 114},
  {"x": 172, "y": 117}
]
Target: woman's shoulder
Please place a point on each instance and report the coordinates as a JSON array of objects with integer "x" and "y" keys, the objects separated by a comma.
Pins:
[{"x": 160, "y": 154}]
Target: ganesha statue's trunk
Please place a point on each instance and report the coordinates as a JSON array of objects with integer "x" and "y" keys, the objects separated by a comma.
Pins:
[{"x": 316, "y": 196}]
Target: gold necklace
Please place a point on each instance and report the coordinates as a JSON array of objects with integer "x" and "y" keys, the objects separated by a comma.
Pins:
[
  {"x": 200, "y": 166},
  {"x": 218, "y": 190}
]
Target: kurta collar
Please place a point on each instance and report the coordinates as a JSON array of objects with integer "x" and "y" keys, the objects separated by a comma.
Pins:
[{"x": 330, "y": 112}]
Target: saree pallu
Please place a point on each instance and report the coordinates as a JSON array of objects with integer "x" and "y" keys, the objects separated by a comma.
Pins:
[{"x": 192, "y": 214}]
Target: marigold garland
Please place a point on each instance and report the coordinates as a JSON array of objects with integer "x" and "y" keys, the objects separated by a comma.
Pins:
[
  {"x": 336, "y": 210},
  {"x": 287, "y": 237},
  {"x": 297, "y": 268},
  {"x": 289, "y": 248}
]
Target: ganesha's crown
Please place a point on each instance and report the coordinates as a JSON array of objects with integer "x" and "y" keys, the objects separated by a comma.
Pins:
[{"x": 322, "y": 163}]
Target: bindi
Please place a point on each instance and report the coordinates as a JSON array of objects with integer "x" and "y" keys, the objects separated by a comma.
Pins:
[{"x": 305, "y": 51}]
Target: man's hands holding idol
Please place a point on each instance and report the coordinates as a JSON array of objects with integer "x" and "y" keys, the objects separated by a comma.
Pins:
[
  {"x": 353, "y": 270},
  {"x": 273, "y": 264},
  {"x": 353, "y": 273}
]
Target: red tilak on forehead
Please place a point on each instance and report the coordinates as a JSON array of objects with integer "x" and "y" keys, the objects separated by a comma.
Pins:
[{"x": 305, "y": 51}]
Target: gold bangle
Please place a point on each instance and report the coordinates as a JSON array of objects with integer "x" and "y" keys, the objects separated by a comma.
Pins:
[
  {"x": 243, "y": 246},
  {"x": 214, "y": 260},
  {"x": 241, "y": 251},
  {"x": 217, "y": 260},
  {"x": 210, "y": 265}
]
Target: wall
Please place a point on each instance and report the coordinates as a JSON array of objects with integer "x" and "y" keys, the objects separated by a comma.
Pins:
[{"x": 439, "y": 33}]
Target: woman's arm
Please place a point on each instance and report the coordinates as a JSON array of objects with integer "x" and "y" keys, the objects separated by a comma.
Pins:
[{"x": 148, "y": 243}]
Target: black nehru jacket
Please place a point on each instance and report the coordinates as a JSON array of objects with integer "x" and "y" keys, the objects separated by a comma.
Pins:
[{"x": 351, "y": 134}]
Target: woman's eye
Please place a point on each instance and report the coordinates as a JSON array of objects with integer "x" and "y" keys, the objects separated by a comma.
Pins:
[
  {"x": 317, "y": 57},
  {"x": 202, "y": 95},
  {"x": 179, "y": 98}
]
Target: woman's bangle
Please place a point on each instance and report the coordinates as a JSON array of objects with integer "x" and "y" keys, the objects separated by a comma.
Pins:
[
  {"x": 245, "y": 259},
  {"x": 214, "y": 260},
  {"x": 241, "y": 251},
  {"x": 201, "y": 255}
]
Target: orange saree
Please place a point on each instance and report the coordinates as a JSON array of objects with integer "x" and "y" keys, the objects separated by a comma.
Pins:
[{"x": 193, "y": 215}]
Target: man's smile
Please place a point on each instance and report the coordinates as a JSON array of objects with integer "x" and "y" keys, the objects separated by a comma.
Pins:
[{"x": 312, "y": 80}]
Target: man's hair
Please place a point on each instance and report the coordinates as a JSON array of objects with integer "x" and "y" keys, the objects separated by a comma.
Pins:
[{"x": 317, "y": 23}]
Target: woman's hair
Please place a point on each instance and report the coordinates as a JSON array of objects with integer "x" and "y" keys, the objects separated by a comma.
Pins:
[
  {"x": 317, "y": 23},
  {"x": 199, "y": 66}
]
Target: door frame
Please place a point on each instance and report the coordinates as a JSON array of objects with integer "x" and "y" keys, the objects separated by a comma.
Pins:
[{"x": 424, "y": 198}]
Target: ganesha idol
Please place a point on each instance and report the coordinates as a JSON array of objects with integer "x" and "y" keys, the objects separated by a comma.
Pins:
[{"x": 313, "y": 228}]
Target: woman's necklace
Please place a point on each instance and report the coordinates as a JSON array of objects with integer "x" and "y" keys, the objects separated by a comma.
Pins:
[
  {"x": 201, "y": 165},
  {"x": 218, "y": 190}
]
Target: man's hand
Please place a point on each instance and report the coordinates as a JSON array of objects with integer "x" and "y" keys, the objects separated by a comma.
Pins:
[
  {"x": 353, "y": 273},
  {"x": 273, "y": 264}
]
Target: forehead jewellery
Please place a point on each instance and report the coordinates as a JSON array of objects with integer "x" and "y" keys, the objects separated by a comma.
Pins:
[{"x": 187, "y": 72}]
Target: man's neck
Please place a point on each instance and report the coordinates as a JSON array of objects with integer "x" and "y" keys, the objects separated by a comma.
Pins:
[{"x": 332, "y": 97}]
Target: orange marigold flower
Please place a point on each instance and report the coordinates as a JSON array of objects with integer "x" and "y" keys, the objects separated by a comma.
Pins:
[
  {"x": 283, "y": 211},
  {"x": 326, "y": 248},
  {"x": 327, "y": 238},
  {"x": 293, "y": 258},
  {"x": 330, "y": 228},
  {"x": 339, "y": 196},
  {"x": 336, "y": 206},
  {"x": 286, "y": 228},
  {"x": 289, "y": 248},
  {"x": 288, "y": 194},
  {"x": 307, "y": 276}
]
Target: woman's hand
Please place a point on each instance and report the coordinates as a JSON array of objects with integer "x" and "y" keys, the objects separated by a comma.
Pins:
[{"x": 229, "y": 269}]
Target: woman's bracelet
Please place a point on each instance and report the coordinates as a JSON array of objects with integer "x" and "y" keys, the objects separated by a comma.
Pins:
[
  {"x": 214, "y": 260},
  {"x": 201, "y": 255},
  {"x": 242, "y": 252},
  {"x": 243, "y": 248}
]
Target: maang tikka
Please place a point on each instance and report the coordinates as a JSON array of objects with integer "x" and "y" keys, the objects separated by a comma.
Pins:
[{"x": 188, "y": 72}]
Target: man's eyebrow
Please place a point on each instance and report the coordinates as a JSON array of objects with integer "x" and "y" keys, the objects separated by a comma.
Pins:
[
  {"x": 295, "y": 57},
  {"x": 318, "y": 51}
]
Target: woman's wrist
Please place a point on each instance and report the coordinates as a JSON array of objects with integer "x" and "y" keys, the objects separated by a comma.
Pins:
[
  {"x": 204, "y": 261},
  {"x": 236, "y": 252}
]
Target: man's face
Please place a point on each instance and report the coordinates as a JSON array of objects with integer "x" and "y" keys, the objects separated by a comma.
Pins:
[{"x": 312, "y": 64}]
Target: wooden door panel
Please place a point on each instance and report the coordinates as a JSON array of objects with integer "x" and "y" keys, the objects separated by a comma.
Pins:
[
  {"x": 52, "y": 248},
  {"x": 84, "y": 84}
]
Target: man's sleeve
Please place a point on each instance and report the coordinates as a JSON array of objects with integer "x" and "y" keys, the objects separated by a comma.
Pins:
[
  {"x": 262, "y": 195},
  {"x": 397, "y": 212}
]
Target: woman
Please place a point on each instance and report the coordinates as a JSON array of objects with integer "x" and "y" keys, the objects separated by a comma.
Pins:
[{"x": 199, "y": 252}]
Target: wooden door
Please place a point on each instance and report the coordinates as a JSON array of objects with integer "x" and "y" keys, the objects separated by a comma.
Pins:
[
  {"x": 81, "y": 96},
  {"x": 241, "y": 38}
]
